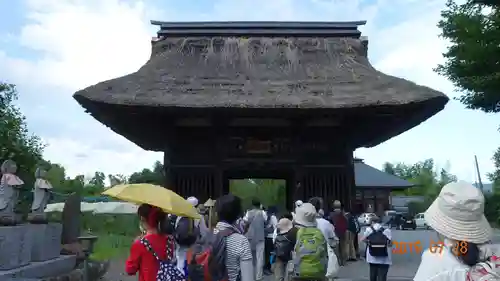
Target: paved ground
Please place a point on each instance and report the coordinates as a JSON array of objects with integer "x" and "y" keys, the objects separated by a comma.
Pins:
[{"x": 404, "y": 265}]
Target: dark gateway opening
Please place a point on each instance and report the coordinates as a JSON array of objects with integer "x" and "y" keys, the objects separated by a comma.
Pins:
[
  {"x": 289, "y": 98},
  {"x": 270, "y": 192}
]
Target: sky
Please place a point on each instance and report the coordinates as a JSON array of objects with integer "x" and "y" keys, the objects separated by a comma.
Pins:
[{"x": 52, "y": 48}]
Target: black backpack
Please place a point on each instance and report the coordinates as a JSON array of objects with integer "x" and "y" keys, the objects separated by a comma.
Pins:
[
  {"x": 283, "y": 247},
  {"x": 186, "y": 232},
  {"x": 377, "y": 243},
  {"x": 207, "y": 257}
]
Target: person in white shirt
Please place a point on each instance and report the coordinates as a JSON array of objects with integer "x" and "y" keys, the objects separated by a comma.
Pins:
[
  {"x": 379, "y": 266},
  {"x": 457, "y": 215}
]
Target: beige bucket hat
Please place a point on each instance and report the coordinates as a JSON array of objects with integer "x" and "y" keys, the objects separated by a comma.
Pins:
[
  {"x": 458, "y": 213},
  {"x": 305, "y": 215}
]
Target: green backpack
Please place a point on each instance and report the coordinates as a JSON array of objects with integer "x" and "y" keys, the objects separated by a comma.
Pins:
[{"x": 311, "y": 256}]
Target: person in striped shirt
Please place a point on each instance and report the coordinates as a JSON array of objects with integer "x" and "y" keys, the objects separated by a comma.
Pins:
[{"x": 239, "y": 261}]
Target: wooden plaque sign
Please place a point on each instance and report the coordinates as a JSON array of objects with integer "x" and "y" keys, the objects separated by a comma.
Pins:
[{"x": 253, "y": 146}]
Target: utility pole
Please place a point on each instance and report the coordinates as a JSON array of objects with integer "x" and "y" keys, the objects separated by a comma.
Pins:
[{"x": 478, "y": 174}]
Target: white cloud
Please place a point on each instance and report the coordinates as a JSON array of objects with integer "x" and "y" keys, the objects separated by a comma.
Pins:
[
  {"x": 78, "y": 157},
  {"x": 82, "y": 42}
]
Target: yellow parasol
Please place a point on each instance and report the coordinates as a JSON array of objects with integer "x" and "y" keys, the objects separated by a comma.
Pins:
[{"x": 143, "y": 193}]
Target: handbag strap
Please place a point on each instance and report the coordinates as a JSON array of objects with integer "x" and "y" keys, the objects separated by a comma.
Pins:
[{"x": 148, "y": 246}]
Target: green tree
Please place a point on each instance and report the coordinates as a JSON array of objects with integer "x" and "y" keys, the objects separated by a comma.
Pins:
[
  {"x": 494, "y": 177},
  {"x": 56, "y": 174},
  {"x": 98, "y": 179},
  {"x": 154, "y": 176},
  {"x": 270, "y": 192},
  {"x": 472, "y": 59},
  {"x": 427, "y": 178},
  {"x": 16, "y": 142}
]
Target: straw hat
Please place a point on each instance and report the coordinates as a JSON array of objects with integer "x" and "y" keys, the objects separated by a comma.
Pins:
[
  {"x": 458, "y": 213},
  {"x": 305, "y": 215}
]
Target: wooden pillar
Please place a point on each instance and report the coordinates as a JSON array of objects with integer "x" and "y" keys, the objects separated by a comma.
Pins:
[
  {"x": 167, "y": 166},
  {"x": 296, "y": 186},
  {"x": 350, "y": 180},
  {"x": 221, "y": 184}
]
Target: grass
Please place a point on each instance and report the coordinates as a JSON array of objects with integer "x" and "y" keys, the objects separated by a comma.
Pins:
[
  {"x": 111, "y": 246},
  {"x": 116, "y": 233}
]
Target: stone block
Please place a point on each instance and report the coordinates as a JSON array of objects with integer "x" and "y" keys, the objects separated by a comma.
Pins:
[
  {"x": 46, "y": 241},
  {"x": 15, "y": 246},
  {"x": 41, "y": 270}
]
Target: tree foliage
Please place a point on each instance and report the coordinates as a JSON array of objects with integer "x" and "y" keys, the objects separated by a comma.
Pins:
[
  {"x": 494, "y": 176},
  {"x": 428, "y": 180},
  {"x": 16, "y": 143},
  {"x": 270, "y": 192},
  {"x": 154, "y": 176},
  {"x": 472, "y": 61}
]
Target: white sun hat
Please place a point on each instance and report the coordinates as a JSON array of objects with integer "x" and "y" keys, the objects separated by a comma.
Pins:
[
  {"x": 458, "y": 213},
  {"x": 305, "y": 215},
  {"x": 193, "y": 200}
]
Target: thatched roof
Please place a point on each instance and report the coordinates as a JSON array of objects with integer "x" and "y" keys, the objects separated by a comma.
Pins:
[
  {"x": 254, "y": 69},
  {"x": 258, "y": 72}
]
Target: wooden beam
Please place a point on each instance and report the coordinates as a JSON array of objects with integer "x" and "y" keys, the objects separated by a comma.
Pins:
[{"x": 259, "y": 122}]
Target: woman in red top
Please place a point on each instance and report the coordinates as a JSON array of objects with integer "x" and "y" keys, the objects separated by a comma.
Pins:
[{"x": 141, "y": 259}]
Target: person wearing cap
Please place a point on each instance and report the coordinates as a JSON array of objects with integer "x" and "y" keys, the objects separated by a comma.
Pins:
[
  {"x": 457, "y": 215},
  {"x": 379, "y": 266},
  {"x": 306, "y": 222},
  {"x": 297, "y": 204},
  {"x": 189, "y": 230},
  {"x": 284, "y": 241}
]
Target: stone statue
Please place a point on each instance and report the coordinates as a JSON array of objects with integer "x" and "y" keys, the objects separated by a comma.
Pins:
[
  {"x": 41, "y": 197},
  {"x": 9, "y": 192}
]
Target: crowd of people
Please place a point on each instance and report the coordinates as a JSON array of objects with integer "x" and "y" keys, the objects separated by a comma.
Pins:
[{"x": 308, "y": 243}]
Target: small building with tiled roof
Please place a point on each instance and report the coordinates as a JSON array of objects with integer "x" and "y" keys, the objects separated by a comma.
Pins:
[{"x": 373, "y": 187}]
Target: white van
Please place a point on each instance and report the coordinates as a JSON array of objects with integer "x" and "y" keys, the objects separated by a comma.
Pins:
[{"x": 420, "y": 221}]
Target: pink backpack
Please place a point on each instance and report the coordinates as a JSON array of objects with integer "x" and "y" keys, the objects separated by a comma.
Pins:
[{"x": 485, "y": 271}]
